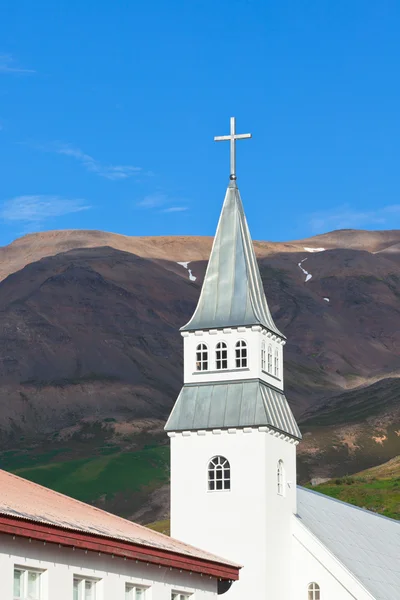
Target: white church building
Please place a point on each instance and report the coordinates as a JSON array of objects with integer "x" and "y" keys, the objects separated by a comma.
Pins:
[
  {"x": 233, "y": 449},
  {"x": 233, "y": 481}
]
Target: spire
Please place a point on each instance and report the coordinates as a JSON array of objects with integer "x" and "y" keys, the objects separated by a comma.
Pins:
[{"x": 232, "y": 294}]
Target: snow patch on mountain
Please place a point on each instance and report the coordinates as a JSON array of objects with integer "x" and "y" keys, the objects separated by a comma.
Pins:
[
  {"x": 185, "y": 266},
  {"x": 306, "y": 273},
  {"x": 314, "y": 249}
]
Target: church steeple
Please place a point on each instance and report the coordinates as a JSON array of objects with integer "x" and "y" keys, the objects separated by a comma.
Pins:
[
  {"x": 232, "y": 294},
  {"x": 233, "y": 351}
]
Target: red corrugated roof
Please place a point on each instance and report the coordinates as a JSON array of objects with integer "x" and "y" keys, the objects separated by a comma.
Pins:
[{"x": 28, "y": 501}]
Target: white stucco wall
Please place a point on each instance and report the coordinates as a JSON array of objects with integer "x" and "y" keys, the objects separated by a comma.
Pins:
[
  {"x": 312, "y": 562},
  {"x": 253, "y": 336},
  {"x": 59, "y": 566},
  {"x": 251, "y": 523}
]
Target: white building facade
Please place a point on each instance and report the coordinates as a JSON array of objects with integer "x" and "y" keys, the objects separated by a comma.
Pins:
[
  {"x": 233, "y": 451},
  {"x": 53, "y": 547}
]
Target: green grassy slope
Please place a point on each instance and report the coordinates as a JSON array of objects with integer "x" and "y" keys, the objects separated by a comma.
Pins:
[
  {"x": 111, "y": 478},
  {"x": 377, "y": 489}
]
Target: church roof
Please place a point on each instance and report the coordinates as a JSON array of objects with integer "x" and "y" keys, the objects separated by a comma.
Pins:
[
  {"x": 232, "y": 294},
  {"x": 366, "y": 543},
  {"x": 248, "y": 403},
  {"x": 40, "y": 512}
]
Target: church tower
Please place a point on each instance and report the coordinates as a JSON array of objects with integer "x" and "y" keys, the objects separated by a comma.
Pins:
[{"x": 233, "y": 435}]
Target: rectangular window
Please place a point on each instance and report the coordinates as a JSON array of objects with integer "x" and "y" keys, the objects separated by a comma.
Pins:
[
  {"x": 180, "y": 596},
  {"x": 134, "y": 592},
  {"x": 26, "y": 584},
  {"x": 84, "y": 588}
]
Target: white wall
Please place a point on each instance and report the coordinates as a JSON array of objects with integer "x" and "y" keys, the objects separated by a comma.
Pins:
[
  {"x": 312, "y": 562},
  {"x": 251, "y": 523},
  {"x": 253, "y": 336},
  {"x": 61, "y": 564}
]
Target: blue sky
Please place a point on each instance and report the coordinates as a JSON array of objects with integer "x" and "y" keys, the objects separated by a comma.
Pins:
[{"x": 108, "y": 112}]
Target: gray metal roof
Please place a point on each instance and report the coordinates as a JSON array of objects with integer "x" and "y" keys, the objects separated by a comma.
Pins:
[
  {"x": 364, "y": 542},
  {"x": 232, "y": 294},
  {"x": 232, "y": 404}
]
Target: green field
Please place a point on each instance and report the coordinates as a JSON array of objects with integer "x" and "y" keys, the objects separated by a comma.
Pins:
[{"x": 116, "y": 480}]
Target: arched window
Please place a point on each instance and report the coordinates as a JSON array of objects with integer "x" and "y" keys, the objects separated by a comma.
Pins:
[
  {"x": 270, "y": 359},
  {"x": 201, "y": 358},
  {"x": 314, "y": 591},
  {"x": 263, "y": 356},
  {"x": 219, "y": 474},
  {"x": 280, "y": 478},
  {"x": 241, "y": 354},
  {"x": 221, "y": 356},
  {"x": 276, "y": 363}
]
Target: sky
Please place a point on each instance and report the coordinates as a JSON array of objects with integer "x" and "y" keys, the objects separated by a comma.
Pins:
[{"x": 108, "y": 111}]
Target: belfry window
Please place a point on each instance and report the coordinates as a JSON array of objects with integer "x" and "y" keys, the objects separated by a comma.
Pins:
[
  {"x": 221, "y": 356},
  {"x": 270, "y": 359},
  {"x": 276, "y": 363},
  {"x": 219, "y": 474},
  {"x": 201, "y": 358},
  {"x": 314, "y": 591},
  {"x": 263, "y": 356},
  {"x": 280, "y": 478},
  {"x": 241, "y": 354}
]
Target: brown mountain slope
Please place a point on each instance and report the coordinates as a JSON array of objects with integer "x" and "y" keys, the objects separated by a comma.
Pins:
[{"x": 90, "y": 332}]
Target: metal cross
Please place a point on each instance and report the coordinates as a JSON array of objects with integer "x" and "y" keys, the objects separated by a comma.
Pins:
[{"x": 232, "y": 138}]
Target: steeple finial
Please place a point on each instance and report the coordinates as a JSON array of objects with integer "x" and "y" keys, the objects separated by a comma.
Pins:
[{"x": 232, "y": 138}]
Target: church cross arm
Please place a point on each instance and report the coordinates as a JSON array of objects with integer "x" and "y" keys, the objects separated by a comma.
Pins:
[{"x": 232, "y": 137}]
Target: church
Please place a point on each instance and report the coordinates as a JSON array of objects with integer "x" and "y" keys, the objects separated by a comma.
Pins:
[
  {"x": 240, "y": 525},
  {"x": 233, "y": 449}
]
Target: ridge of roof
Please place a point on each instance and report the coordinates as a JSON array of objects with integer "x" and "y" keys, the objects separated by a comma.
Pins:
[
  {"x": 26, "y": 500},
  {"x": 232, "y": 294}
]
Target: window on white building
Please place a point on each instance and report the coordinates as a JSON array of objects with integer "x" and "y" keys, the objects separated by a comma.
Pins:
[
  {"x": 134, "y": 592},
  {"x": 219, "y": 474},
  {"x": 276, "y": 363},
  {"x": 84, "y": 588},
  {"x": 221, "y": 356},
  {"x": 201, "y": 358},
  {"x": 263, "y": 356},
  {"x": 26, "y": 584},
  {"x": 269, "y": 359},
  {"x": 314, "y": 591},
  {"x": 280, "y": 478},
  {"x": 241, "y": 354},
  {"x": 180, "y": 596}
]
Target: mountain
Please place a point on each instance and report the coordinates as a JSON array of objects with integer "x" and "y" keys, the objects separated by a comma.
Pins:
[{"x": 91, "y": 359}]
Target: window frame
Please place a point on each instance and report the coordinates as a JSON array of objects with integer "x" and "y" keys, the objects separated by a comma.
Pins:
[
  {"x": 241, "y": 354},
  {"x": 280, "y": 478},
  {"x": 276, "y": 363},
  {"x": 132, "y": 588},
  {"x": 220, "y": 349},
  {"x": 82, "y": 579},
  {"x": 263, "y": 356},
  {"x": 269, "y": 363},
  {"x": 175, "y": 595},
  {"x": 203, "y": 359},
  {"x": 25, "y": 574},
  {"x": 213, "y": 467},
  {"x": 314, "y": 591}
]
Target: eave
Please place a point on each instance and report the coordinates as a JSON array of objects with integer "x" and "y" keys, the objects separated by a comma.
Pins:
[{"x": 69, "y": 538}]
